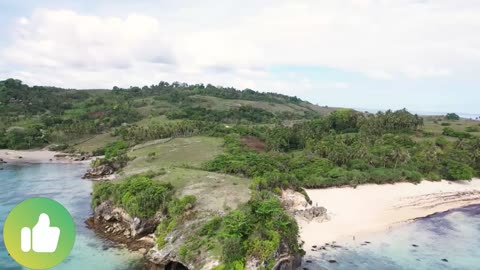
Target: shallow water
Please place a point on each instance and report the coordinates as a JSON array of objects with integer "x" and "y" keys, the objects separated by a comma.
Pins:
[
  {"x": 426, "y": 243},
  {"x": 61, "y": 182}
]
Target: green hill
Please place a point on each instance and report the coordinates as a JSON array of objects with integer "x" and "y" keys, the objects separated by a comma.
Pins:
[{"x": 37, "y": 116}]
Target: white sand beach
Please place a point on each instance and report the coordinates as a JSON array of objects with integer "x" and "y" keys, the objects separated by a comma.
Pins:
[
  {"x": 34, "y": 156},
  {"x": 358, "y": 212}
]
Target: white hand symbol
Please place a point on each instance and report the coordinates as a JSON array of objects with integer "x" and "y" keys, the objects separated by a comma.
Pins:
[{"x": 42, "y": 238}]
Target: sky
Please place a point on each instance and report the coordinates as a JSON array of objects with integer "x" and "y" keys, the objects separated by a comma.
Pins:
[{"x": 423, "y": 55}]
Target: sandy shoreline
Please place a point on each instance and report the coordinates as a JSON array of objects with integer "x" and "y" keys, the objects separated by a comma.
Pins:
[
  {"x": 376, "y": 208},
  {"x": 34, "y": 156}
]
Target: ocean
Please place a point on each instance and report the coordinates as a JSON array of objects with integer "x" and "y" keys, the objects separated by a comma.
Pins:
[
  {"x": 61, "y": 182},
  {"x": 443, "y": 241}
]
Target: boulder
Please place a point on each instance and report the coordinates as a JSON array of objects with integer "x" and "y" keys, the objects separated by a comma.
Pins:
[{"x": 317, "y": 213}]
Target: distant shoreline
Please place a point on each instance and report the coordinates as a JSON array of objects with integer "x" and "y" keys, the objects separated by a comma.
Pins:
[
  {"x": 36, "y": 157},
  {"x": 356, "y": 213}
]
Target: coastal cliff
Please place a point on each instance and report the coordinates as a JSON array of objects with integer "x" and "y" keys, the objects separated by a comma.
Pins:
[{"x": 181, "y": 241}]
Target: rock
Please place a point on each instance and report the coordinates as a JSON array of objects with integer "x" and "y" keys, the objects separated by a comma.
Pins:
[
  {"x": 253, "y": 263},
  {"x": 142, "y": 251},
  {"x": 315, "y": 246},
  {"x": 414, "y": 245},
  {"x": 313, "y": 213},
  {"x": 100, "y": 171},
  {"x": 332, "y": 261},
  {"x": 293, "y": 200},
  {"x": 308, "y": 261},
  {"x": 20, "y": 157},
  {"x": 444, "y": 260}
]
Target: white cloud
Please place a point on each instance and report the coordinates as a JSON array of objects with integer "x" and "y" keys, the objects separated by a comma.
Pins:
[{"x": 382, "y": 39}]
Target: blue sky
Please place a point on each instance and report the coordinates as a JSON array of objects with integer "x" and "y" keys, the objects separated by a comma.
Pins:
[{"x": 422, "y": 55}]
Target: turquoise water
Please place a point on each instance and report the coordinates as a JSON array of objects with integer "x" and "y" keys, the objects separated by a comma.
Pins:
[
  {"x": 61, "y": 182},
  {"x": 443, "y": 241}
]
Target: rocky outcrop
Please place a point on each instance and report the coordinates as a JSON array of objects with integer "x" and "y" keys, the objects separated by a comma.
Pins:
[
  {"x": 293, "y": 200},
  {"x": 168, "y": 254},
  {"x": 115, "y": 224},
  {"x": 288, "y": 262},
  {"x": 285, "y": 259},
  {"x": 297, "y": 205},
  {"x": 315, "y": 213},
  {"x": 99, "y": 172}
]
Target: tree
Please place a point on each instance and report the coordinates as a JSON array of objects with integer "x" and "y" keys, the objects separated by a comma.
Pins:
[{"x": 452, "y": 116}]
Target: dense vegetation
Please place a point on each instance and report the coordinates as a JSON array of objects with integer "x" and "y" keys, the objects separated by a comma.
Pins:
[
  {"x": 260, "y": 229},
  {"x": 37, "y": 116},
  {"x": 140, "y": 196}
]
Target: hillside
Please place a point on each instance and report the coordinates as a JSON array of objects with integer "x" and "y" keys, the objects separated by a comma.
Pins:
[{"x": 38, "y": 116}]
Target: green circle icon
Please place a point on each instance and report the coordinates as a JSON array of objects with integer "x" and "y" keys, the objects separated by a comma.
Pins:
[{"x": 39, "y": 233}]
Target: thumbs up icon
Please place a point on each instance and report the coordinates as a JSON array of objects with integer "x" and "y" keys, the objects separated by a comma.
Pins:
[{"x": 42, "y": 238}]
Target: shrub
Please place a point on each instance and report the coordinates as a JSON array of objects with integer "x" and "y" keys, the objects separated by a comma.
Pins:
[
  {"x": 58, "y": 147},
  {"x": 459, "y": 171},
  {"x": 163, "y": 229},
  {"x": 458, "y": 134},
  {"x": 114, "y": 149},
  {"x": 151, "y": 156},
  {"x": 452, "y": 116},
  {"x": 263, "y": 249},
  {"x": 433, "y": 176},
  {"x": 233, "y": 249},
  {"x": 472, "y": 129},
  {"x": 99, "y": 151},
  {"x": 177, "y": 206},
  {"x": 211, "y": 227},
  {"x": 384, "y": 175},
  {"x": 102, "y": 191},
  {"x": 441, "y": 142},
  {"x": 139, "y": 196},
  {"x": 412, "y": 176},
  {"x": 237, "y": 224}
]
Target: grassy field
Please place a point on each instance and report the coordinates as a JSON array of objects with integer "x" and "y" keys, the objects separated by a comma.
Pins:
[
  {"x": 174, "y": 161},
  {"x": 155, "y": 120},
  {"x": 214, "y": 192},
  {"x": 153, "y": 107},
  {"x": 89, "y": 144},
  {"x": 434, "y": 124},
  {"x": 191, "y": 152},
  {"x": 215, "y": 103}
]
